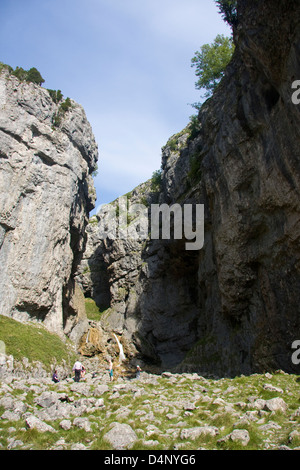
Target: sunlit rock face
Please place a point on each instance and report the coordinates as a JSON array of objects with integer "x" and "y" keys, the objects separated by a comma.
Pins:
[{"x": 46, "y": 193}]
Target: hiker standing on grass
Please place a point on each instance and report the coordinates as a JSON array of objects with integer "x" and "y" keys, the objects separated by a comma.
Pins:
[
  {"x": 110, "y": 369},
  {"x": 138, "y": 372},
  {"x": 77, "y": 369}
]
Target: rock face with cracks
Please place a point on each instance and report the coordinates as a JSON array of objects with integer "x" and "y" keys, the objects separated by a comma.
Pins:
[
  {"x": 231, "y": 307},
  {"x": 46, "y": 193}
]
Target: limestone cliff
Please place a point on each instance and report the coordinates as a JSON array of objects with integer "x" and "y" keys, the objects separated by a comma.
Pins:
[
  {"x": 46, "y": 193},
  {"x": 232, "y": 307}
]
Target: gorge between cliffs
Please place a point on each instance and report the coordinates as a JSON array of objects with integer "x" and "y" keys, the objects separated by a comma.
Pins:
[{"x": 229, "y": 308}]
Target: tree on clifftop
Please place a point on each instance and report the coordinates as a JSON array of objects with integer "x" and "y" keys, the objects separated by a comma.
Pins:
[
  {"x": 228, "y": 10},
  {"x": 34, "y": 76},
  {"x": 31, "y": 75},
  {"x": 211, "y": 62},
  {"x": 212, "y": 59}
]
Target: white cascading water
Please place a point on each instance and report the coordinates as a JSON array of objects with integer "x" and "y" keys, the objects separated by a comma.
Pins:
[{"x": 121, "y": 354}]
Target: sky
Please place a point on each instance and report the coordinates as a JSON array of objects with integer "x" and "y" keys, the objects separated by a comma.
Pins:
[{"x": 127, "y": 62}]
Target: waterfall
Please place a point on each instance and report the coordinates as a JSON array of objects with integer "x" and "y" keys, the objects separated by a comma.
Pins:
[
  {"x": 87, "y": 336},
  {"x": 121, "y": 355}
]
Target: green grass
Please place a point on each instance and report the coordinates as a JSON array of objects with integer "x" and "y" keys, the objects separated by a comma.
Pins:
[
  {"x": 34, "y": 342},
  {"x": 92, "y": 311}
]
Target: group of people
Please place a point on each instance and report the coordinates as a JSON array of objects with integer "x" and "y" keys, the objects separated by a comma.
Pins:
[{"x": 79, "y": 371}]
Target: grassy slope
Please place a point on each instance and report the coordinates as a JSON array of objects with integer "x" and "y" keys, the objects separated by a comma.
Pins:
[{"x": 34, "y": 342}]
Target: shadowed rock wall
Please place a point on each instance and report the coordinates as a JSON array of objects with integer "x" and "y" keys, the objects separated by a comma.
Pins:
[{"x": 232, "y": 307}]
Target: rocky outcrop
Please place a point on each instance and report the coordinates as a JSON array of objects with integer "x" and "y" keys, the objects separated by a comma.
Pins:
[
  {"x": 231, "y": 307},
  {"x": 46, "y": 193}
]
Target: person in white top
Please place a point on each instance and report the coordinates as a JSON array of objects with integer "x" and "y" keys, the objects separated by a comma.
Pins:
[{"x": 77, "y": 368}]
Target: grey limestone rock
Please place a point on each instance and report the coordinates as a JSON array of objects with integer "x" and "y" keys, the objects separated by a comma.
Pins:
[
  {"x": 240, "y": 436},
  {"x": 32, "y": 422},
  {"x": 275, "y": 404},
  {"x": 82, "y": 423},
  {"x": 65, "y": 424},
  {"x": 121, "y": 436},
  {"x": 46, "y": 193},
  {"x": 194, "y": 433}
]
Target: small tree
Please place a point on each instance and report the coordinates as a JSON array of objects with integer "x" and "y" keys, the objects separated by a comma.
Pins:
[
  {"x": 56, "y": 95},
  {"x": 211, "y": 62},
  {"x": 34, "y": 76},
  {"x": 5, "y": 67},
  {"x": 228, "y": 9},
  {"x": 20, "y": 73},
  {"x": 31, "y": 75},
  {"x": 66, "y": 105},
  {"x": 156, "y": 180},
  {"x": 62, "y": 110}
]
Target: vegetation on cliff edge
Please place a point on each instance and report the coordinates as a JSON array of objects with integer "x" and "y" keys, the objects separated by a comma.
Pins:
[{"x": 32, "y": 75}]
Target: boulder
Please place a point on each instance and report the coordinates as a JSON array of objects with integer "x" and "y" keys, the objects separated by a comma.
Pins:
[
  {"x": 65, "y": 424},
  {"x": 47, "y": 399},
  {"x": 82, "y": 423},
  {"x": 194, "y": 433},
  {"x": 32, "y": 422},
  {"x": 121, "y": 436},
  {"x": 275, "y": 404}
]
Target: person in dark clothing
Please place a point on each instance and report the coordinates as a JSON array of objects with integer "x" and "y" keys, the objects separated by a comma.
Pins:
[{"x": 55, "y": 378}]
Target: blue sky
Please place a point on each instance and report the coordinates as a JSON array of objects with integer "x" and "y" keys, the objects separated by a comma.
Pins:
[{"x": 127, "y": 62}]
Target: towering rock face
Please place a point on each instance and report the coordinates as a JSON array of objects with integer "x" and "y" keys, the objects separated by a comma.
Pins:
[
  {"x": 46, "y": 193},
  {"x": 233, "y": 306},
  {"x": 248, "y": 176}
]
